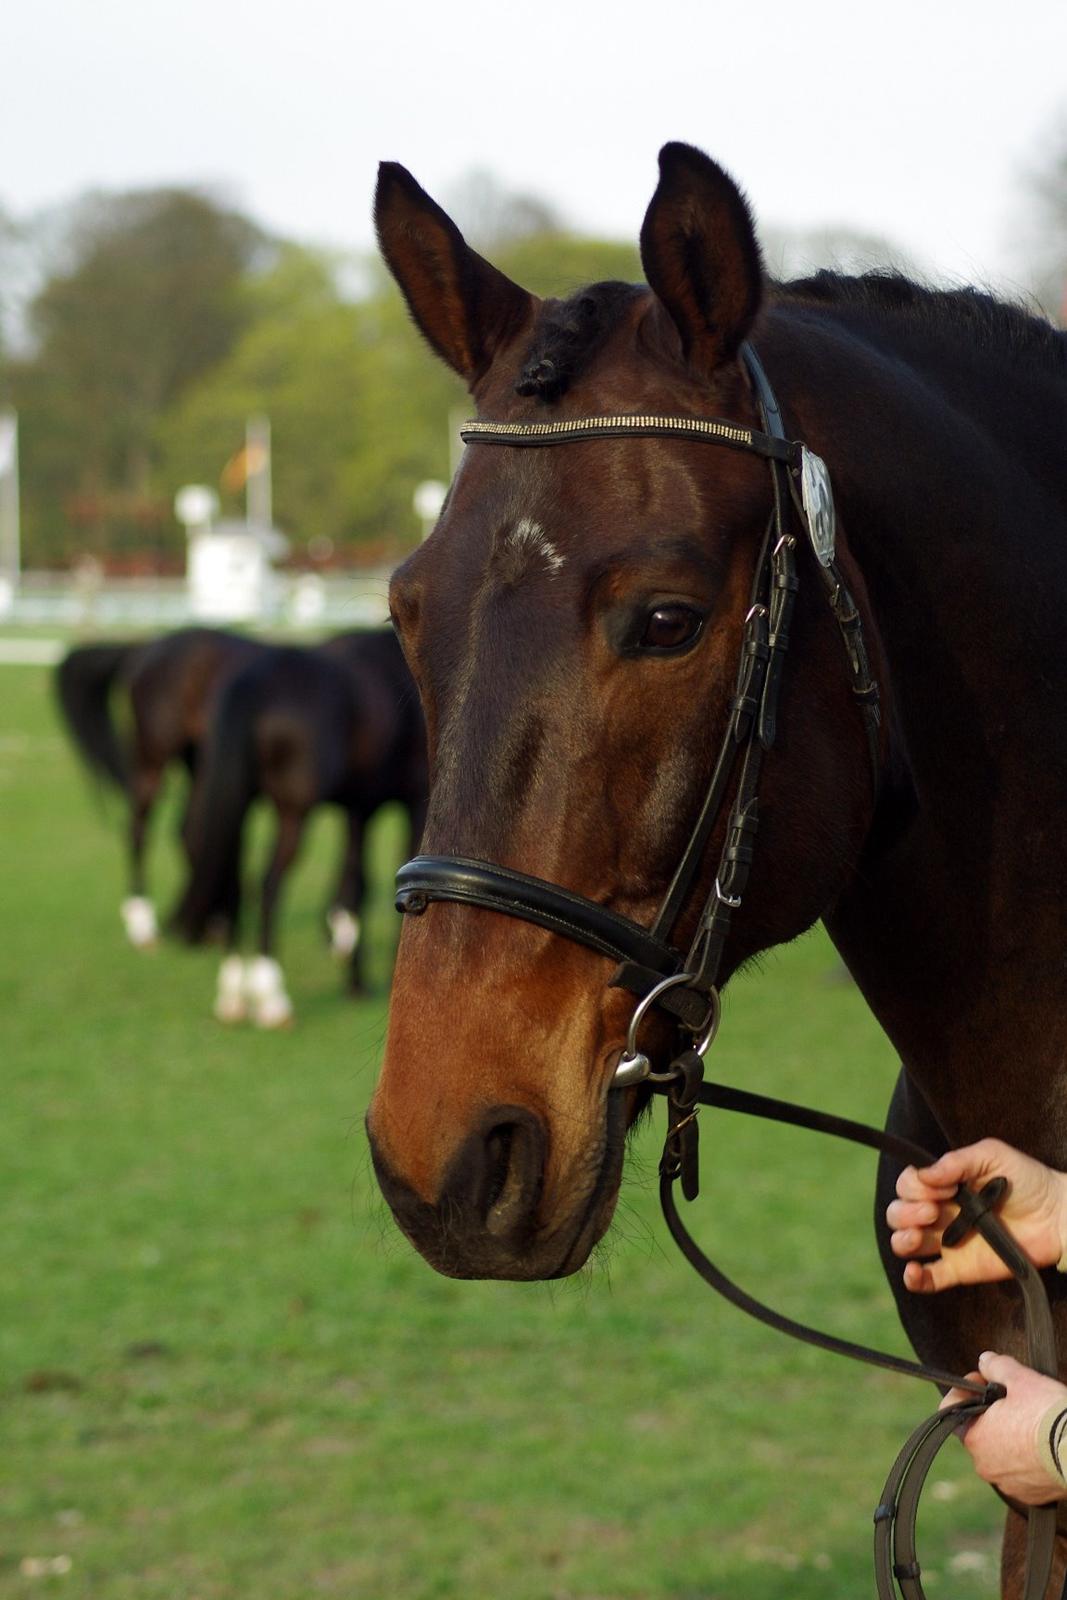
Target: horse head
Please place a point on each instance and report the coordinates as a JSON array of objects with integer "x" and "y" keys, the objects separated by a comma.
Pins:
[{"x": 574, "y": 624}]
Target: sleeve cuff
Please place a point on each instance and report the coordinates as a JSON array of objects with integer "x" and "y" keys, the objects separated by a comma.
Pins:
[{"x": 1052, "y": 1441}]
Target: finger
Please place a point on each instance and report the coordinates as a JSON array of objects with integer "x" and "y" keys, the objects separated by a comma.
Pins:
[
  {"x": 948, "y": 1271},
  {"x": 915, "y": 1213},
  {"x": 1001, "y": 1369},
  {"x": 915, "y": 1242},
  {"x": 972, "y": 1163},
  {"x": 913, "y": 1185}
]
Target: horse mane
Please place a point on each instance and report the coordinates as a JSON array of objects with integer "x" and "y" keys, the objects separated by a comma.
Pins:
[
  {"x": 567, "y": 333},
  {"x": 974, "y": 314}
]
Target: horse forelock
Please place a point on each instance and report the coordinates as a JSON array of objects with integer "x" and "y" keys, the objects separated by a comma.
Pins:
[{"x": 567, "y": 335}]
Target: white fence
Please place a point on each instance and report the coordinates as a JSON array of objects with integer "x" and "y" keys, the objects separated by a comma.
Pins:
[{"x": 298, "y": 600}]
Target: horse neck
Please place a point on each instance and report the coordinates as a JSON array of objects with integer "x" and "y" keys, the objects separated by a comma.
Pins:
[{"x": 955, "y": 924}]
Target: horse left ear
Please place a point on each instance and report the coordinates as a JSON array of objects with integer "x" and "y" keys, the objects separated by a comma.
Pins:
[{"x": 701, "y": 259}]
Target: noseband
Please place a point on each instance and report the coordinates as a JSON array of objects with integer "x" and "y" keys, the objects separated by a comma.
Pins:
[{"x": 651, "y": 966}]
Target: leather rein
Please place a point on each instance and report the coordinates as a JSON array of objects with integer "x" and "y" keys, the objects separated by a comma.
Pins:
[{"x": 685, "y": 987}]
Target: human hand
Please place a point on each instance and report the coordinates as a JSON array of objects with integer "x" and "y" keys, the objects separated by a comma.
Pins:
[
  {"x": 1035, "y": 1209},
  {"x": 1008, "y": 1443}
]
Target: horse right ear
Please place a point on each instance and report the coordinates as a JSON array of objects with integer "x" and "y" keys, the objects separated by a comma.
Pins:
[
  {"x": 701, "y": 259},
  {"x": 464, "y": 307}
]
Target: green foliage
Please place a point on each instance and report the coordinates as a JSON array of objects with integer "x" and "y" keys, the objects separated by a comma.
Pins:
[
  {"x": 358, "y": 409},
  {"x": 559, "y": 263},
  {"x": 168, "y": 320},
  {"x": 224, "y": 1374},
  {"x": 149, "y": 298}
]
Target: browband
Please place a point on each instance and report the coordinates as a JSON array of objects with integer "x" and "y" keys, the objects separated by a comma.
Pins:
[{"x": 713, "y": 429}]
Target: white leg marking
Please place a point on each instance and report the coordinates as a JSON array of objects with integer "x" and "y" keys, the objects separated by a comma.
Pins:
[
  {"x": 230, "y": 1003},
  {"x": 139, "y": 920},
  {"x": 344, "y": 931},
  {"x": 268, "y": 1001}
]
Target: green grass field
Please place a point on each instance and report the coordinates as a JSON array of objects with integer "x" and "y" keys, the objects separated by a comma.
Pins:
[{"x": 225, "y": 1376}]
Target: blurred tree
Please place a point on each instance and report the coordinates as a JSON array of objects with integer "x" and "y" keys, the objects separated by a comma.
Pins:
[
  {"x": 798, "y": 252},
  {"x": 360, "y": 410},
  {"x": 489, "y": 215},
  {"x": 151, "y": 294}
]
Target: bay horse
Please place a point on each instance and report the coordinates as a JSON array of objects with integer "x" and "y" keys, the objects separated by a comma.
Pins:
[
  {"x": 337, "y": 725},
  {"x": 575, "y": 623},
  {"x": 170, "y": 684}
]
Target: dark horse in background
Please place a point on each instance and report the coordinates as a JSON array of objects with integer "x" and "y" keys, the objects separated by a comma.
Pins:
[
  {"x": 338, "y": 725},
  {"x": 171, "y": 685},
  {"x": 574, "y": 624}
]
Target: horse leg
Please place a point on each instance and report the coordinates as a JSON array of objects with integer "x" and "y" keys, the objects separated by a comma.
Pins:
[
  {"x": 231, "y": 989},
  {"x": 138, "y": 912},
  {"x": 1013, "y": 1561},
  {"x": 344, "y": 916},
  {"x": 270, "y": 1004}
]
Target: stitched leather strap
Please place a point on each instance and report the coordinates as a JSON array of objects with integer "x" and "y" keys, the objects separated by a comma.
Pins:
[{"x": 481, "y": 883}]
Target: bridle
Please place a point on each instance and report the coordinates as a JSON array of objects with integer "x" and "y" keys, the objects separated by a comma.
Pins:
[{"x": 684, "y": 987}]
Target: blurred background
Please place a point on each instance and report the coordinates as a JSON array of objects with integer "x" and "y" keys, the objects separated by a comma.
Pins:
[{"x": 222, "y": 1372}]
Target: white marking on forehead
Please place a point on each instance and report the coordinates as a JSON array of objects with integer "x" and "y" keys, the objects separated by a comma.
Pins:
[{"x": 529, "y": 537}]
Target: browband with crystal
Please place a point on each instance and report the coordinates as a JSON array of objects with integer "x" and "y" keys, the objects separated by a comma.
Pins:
[{"x": 643, "y": 426}]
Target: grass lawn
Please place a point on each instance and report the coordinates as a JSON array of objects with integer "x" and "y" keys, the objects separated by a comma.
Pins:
[{"x": 225, "y": 1376}]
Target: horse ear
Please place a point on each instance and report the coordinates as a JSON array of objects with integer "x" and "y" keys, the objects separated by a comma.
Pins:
[
  {"x": 701, "y": 259},
  {"x": 464, "y": 307}
]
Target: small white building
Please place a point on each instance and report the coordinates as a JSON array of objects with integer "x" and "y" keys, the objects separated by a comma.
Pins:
[
  {"x": 230, "y": 571},
  {"x": 229, "y": 565}
]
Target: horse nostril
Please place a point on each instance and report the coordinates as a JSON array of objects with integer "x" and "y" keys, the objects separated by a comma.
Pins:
[
  {"x": 498, "y": 1144},
  {"x": 513, "y": 1173}
]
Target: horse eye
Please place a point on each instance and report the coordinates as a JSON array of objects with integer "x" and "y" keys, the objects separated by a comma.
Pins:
[{"x": 668, "y": 627}]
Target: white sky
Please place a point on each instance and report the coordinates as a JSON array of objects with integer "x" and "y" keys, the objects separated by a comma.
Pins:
[{"x": 919, "y": 119}]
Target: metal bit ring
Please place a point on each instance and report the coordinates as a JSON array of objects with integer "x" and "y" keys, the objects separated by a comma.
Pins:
[{"x": 633, "y": 1067}]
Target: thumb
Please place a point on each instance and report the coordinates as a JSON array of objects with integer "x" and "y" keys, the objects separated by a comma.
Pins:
[{"x": 1000, "y": 1369}]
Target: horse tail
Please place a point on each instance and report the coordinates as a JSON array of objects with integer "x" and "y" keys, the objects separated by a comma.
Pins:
[
  {"x": 226, "y": 785},
  {"x": 83, "y": 681}
]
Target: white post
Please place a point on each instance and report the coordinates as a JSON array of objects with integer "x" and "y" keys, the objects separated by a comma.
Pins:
[
  {"x": 259, "y": 509},
  {"x": 10, "y": 544}
]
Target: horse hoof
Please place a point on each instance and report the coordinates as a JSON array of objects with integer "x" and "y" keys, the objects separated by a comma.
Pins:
[
  {"x": 268, "y": 1002},
  {"x": 139, "y": 920}
]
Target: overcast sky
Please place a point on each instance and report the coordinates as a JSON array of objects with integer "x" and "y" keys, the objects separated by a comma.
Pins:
[{"x": 918, "y": 119}]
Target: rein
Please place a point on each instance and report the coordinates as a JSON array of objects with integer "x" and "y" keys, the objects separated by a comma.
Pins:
[{"x": 685, "y": 986}]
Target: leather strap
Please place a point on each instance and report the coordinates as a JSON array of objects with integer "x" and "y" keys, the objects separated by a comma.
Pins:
[
  {"x": 896, "y": 1561},
  {"x": 481, "y": 883}
]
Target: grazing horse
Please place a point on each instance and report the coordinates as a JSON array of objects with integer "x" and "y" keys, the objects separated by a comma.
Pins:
[
  {"x": 338, "y": 725},
  {"x": 171, "y": 684},
  {"x": 575, "y": 623}
]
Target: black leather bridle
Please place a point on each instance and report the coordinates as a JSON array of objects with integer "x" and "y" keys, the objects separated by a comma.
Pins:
[{"x": 685, "y": 986}]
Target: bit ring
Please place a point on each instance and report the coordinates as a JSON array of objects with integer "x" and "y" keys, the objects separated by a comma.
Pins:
[{"x": 709, "y": 1027}]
